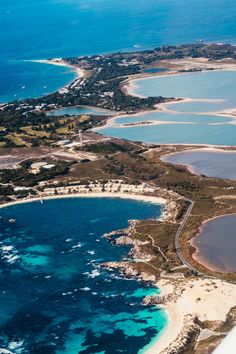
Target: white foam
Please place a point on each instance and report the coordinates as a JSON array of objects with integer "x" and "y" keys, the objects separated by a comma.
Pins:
[
  {"x": 85, "y": 288},
  {"x": 91, "y": 252},
  {"x": 95, "y": 273},
  {"x": 78, "y": 245}
]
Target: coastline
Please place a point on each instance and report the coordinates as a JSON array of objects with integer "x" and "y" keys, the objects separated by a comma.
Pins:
[
  {"x": 60, "y": 62},
  {"x": 138, "y": 197},
  {"x": 189, "y": 299},
  {"x": 180, "y": 295},
  {"x": 142, "y": 198}
]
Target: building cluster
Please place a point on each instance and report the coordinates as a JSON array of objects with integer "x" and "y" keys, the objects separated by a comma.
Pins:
[{"x": 93, "y": 187}]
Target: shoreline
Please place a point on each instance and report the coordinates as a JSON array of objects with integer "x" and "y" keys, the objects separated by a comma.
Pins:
[
  {"x": 142, "y": 198},
  {"x": 79, "y": 74},
  {"x": 138, "y": 197},
  {"x": 58, "y": 62},
  {"x": 187, "y": 299}
]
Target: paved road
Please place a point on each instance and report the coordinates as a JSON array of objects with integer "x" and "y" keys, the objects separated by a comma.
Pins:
[{"x": 178, "y": 234}]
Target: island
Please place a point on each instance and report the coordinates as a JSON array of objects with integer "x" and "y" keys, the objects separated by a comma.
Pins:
[{"x": 46, "y": 156}]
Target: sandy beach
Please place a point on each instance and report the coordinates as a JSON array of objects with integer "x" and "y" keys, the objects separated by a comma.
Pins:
[
  {"x": 59, "y": 62},
  {"x": 208, "y": 299},
  {"x": 139, "y": 197}
]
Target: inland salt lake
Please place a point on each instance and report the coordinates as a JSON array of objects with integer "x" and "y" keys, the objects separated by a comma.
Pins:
[
  {"x": 208, "y": 162},
  {"x": 215, "y": 244},
  {"x": 55, "y": 297},
  {"x": 192, "y": 125}
]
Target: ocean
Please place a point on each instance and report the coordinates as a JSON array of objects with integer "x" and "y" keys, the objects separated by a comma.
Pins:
[
  {"x": 55, "y": 297},
  {"x": 40, "y": 29}
]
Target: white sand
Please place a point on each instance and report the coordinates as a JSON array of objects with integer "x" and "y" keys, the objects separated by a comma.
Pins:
[
  {"x": 210, "y": 299},
  {"x": 144, "y": 198}
]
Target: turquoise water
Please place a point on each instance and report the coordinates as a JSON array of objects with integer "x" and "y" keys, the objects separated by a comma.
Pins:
[
  {"x": 217, "y": 85},
  {"x": 216, "y": 246},
  {"x": 201, "y": 107},
  {"x": 39, "y": 29},
  {"x": 71, "y": 111},
  {"x": 221, "y": 164},
  {"x": 176, "y": 134},
  {"x": 55, "y": 297},
  {"x": 168, "y": 117}
]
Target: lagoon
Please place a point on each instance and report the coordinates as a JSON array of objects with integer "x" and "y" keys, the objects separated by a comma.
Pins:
[{"x": 55, "y": 297}]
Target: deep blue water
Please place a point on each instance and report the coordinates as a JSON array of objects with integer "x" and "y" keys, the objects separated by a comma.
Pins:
[
  {"x": 54, "y": 296},
  {"x": 39, "y": 29}
]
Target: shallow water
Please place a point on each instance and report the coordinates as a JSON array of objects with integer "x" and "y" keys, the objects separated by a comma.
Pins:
[
  {"x": 55, "y": 297},
  {"x": 205, "y": 162},
  {"x": 216, "y": 243},
  {"x": 41, "y": 29},
  {"x": 79, "y": 110}
]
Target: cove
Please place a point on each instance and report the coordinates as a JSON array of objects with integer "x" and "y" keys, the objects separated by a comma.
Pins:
[{"x": 55, "y": 297}]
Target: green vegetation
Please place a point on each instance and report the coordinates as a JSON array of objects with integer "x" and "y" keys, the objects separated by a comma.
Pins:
[
  {"x": 106, "y": 148},
  {"x": 22, "y": 176}
]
